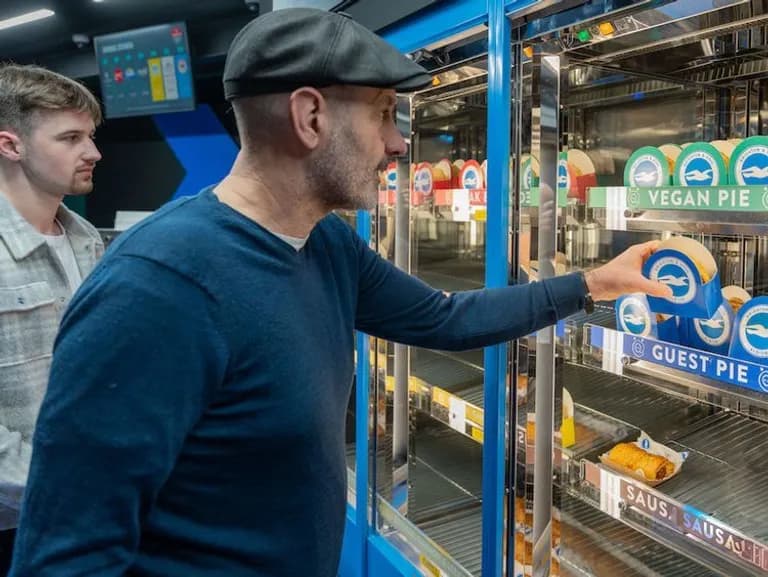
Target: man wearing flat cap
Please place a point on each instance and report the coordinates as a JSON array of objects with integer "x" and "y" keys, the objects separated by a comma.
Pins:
[{"x": 194, "y": 419}]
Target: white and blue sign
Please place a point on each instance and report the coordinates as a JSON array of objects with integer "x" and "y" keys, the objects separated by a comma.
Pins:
[
  {"x": 751, "y": 166},
  {"x": 752, "y": 330},
  {"x": 733, "y": 371},
  {"x": 699, "y": 169}
]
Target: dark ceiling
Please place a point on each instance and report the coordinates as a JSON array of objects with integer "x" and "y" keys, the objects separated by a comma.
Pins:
[
  {"x": 211, "y": 24},
  {"x": 52, "y": 37}
]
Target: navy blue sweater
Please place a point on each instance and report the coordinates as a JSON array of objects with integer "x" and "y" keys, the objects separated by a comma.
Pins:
[{"x": 194, "y": 421}]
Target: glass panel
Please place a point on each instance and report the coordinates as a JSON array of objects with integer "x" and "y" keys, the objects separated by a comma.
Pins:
[
  {"x": 618, "y": 92},
  {"x": 448, "y": 237},
  {"x": 429, "y": 454}
]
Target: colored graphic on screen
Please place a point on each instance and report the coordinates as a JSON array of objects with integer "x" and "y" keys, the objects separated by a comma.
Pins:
[{"x": 145, "y": 71}]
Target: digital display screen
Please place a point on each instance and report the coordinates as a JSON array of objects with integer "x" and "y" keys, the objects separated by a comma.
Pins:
[{"x": 145, "y": 71}]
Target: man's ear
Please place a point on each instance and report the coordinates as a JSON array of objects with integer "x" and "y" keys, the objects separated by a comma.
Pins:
[
  {"x": 309, "y": 116},
  {"x": 11, "y": 146}
]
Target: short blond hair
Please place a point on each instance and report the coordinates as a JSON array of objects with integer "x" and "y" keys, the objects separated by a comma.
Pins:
[{"x": 26, "y": 91}]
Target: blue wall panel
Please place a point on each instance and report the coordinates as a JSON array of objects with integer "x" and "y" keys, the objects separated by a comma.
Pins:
[{"x": 201, "y": 144}]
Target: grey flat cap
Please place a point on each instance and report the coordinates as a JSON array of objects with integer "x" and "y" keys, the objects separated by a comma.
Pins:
[{"x": 286, "y": 49}]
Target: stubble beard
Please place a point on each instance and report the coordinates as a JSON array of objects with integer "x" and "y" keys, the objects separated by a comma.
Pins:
[
  {"x": 80, "y": 188},
  {"x": 338, "y": 177}
]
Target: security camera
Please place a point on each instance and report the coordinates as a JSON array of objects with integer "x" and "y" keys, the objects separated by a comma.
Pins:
[
  {"x": 81, "y": 40},
  {"x": 254, "y": 6}
]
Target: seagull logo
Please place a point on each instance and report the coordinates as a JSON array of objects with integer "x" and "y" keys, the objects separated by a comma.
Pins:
[
  {"x": 757, "y": 330},
  {"x": 713, "y": 323},
  {"x": 674, "y": 281},
  {"x": 699, "y": 175},
  {"x": 634, "y": 319},
  {"x": 755, "y": 172},
  {"x": 645, "y": 177}
]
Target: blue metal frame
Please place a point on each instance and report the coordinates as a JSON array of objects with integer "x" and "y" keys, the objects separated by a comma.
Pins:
[
  {"x": 433, "y": 24},
  {"x": 384, "y": 560},
  {"x": 422, "y": 29},
  {"x": 351, "y": 551},
  {"x": 496, "y": 275},
  {"x": 362, "y": 401}
]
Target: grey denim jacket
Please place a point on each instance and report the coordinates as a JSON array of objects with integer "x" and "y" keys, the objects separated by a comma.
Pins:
[{"x": 33, "y": 296}]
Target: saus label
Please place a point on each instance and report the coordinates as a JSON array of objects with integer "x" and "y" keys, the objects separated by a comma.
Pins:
[
  {"x": 651, "y": 504},
  {"x": 694, "y": 524}
]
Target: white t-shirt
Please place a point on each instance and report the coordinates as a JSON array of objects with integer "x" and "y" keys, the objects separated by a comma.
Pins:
[
  {"x": 63, "y": 248},
  {"x": 296, "y": 242}
]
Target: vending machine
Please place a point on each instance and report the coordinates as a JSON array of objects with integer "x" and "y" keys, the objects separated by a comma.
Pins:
[
  {"x": 633, "y": 438},
  {"x": 641, "y": 426}
]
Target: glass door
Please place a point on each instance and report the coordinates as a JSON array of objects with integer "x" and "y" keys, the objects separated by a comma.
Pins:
[
  {"x": 428, "y": 403},
  {"x": 609, "y": 100}
]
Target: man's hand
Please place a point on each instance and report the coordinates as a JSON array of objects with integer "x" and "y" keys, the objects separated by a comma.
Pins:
[{"x": 623, "y": 275}]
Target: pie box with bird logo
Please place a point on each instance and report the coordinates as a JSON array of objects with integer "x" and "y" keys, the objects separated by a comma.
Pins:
[
  {"x": 750, "y": 334},
  {"x": 648, "y": 167},
  {"x": 715, "y": 334},
  {"x": 749, "y": 163},
  {"x": 423, "y": 183},
  {"x": 634, "y": 316},
  {"x": 690, "y": 270},
  {"x": 471, "y": 176}
]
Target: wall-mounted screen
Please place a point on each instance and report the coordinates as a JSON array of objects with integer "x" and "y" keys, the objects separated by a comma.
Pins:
[{"x": 145, "y": 71}]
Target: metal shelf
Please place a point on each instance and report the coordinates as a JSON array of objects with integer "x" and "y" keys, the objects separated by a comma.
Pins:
[
  {"x": 445, "y": 499},
  {"x": 461, "y": 535},
  {"x": 721, "y": 487},
  {"x": 474, "y": 395},
  {"x": 452, "y": 372},
  {"x": 626, "y": 402},
  {"x": 727, "y": 461}
]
